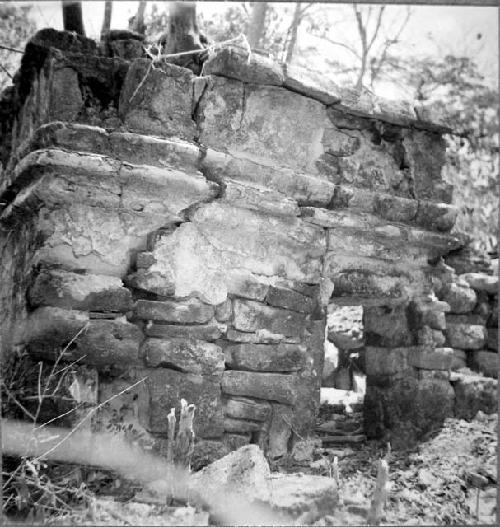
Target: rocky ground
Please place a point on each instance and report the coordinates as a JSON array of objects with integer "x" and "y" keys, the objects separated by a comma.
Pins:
[{"x": 434, "y": 484}]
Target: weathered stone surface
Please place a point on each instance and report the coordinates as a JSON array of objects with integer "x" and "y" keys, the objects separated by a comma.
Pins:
[
  {"x": 461, "y": 298},
  {"x": 237, "y": 63},
  {"x": 266, "y": 357},
  {"x": 224, "y": 311},
  {"x": 306, "y": 189},
  {"x": 243, "y": 472},
  {"x": 459, "y": 359},
  {"x": 345, "y": 326},
  {"x": 387, "y": 327},
  {"x": 256, "y": 197},
  {"x": 310, "y": 84},
  {"x": 64, "y": 289},
  {"x": 486, "y": 362},
  {"x": 436, "y": 216},
  {"x": 261, "y": 336},
  {"x": 429, "y": 337},
  {"x": 493, "y": 339},
  {"x": 242, "y": 408},
  {"x": 387, "y": 361},
  {"x": 270, "y": 386},
  {"x": 185, "y": 355},
  {"x": 290, "y": 135},
  {"x": 251, "y": 316},
  {"x": 206, "y": 452},
  {"x": 102, "y": 343},
  {"x": 236, "y": 441},
  {"x": 247, "y": 285},
  {"x": 280, "y": 430},
  {"x": 208, "y": 332},
  {"x": 241, "y": 426},
  {"x": 158, "y": 100},
  {"x": 468, "y": 319},
  {"x": 164, "y": 388},
  {"x": 432, "y": 359},
  {"x": 465, "y": 336},
  {"x": 482, "y": 282},
  {"x": 408, "y": 410},
  {"x": 66, "y": 99},
  {"x": 474, "y": 393},
  {"x": 279, "y": 297},
  {"x": 190, "y": 311},
  {"x": 210, "y": 255},
  {"x": 310, "y": 497}
]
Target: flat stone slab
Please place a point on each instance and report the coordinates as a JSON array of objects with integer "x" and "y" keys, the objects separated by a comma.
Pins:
[
  {"x": 482, "y": 282},
  {"x": 190, "y": 311},
  {"x": 466, "y": 336},
  {"x": 474, "y": 393},
  {"x": 267, "y": 357}
]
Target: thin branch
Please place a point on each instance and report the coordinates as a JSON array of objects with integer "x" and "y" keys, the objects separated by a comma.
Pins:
[
  {"x": 8, "y": 48},
  {"x": 341, "y": 44},
  {"x": 15, "y": 401},
  {"x": 89, "y": 414},
  {"x": 377, "y": 28},
  {"x": 6, "y": 71}
]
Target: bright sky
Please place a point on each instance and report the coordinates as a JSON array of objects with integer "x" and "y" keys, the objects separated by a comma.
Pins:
[{"x": 450, "y": 28}]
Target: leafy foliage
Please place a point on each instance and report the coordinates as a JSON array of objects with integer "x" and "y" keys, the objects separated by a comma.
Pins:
[{"x": 15, "y": 29}]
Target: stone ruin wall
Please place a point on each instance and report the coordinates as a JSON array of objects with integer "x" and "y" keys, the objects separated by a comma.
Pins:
[{"x": 192, "y": 230}]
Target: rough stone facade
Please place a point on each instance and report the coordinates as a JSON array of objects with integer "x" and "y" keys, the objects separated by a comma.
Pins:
[{"x": 192, "y": 230}]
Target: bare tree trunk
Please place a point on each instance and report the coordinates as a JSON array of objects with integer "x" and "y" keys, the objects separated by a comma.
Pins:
[
  {"x": 139, "y": 26},
  {"x": 293, "y": 33},
  {"x": 106, "y": 23},
  {"x": 72, "y": 17},
  {"x": 256, "y": 28},
  {"x": 183, "y": 35},
  {"x": 364, "y": 48}
]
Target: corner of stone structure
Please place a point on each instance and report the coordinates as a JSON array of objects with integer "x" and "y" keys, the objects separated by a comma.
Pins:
[{"x": 191, "y": 231}]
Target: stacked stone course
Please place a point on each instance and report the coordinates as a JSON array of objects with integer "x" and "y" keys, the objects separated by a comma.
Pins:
[{"x": 191, "y": 230}]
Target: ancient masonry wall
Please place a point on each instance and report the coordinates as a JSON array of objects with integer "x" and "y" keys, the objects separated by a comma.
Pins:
[{"x": 191, "y": 231}]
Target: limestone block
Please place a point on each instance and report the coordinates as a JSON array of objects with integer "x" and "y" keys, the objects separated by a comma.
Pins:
[
  {"x": 66, "y": 100},
  {"x": 102, "y": 343},
  {"x": 311, "y": 85},
  {"x": 255, "y": 197},
  {"x": 474, "y": 393},
  {"x": 466, "y": 336},
  {"x": 473, "y": 319},
  {"x": 261, "y": 336},
  {"x": 243, "y": 408},
  {"x": 486, "y": 362},
  {"x": 482, "y": 282},
  {"x": 270, "y": 386},
  {"x": 64, "y": 289},
  {"x": 247, "y": 285},
  {"x": 459, "y": 359},
  {"x": 395, "y": 208},
  {"x": 305, "y": 188},
  {"x": 158, "y": 100},
  {"x": 139, "y": 149},
  {"x": 387, "y": 327},
  {"x": 461, "y": 298},
  {"x": 493, "y": 339},
  {"x": 289, "y": 136},
  {"x": 208, "y": 332},
  {"x": 191, "y": 311},
  {"x": 251, "y": 316},
  {"x": 164, "y": 388},
  {"x": 408, "y": 409},
  {"x": 429, "y": 337},
  {"x": 387, "y": 361},
  {"x": 280, "y": 430},
  {"x": 224, "y": 311},
  {"x": 162, "y": 190},
  {"x": 243, "y": 472},
  {"x": 185, "y": 355},
  {"x": 289, "y": 299},
  {"x": 265, "y": 357},
  {"x": 217, "y": 250},
  {"x": 240, "y": 426},
  {"x": 237, "y": 63},
  {"x": 432, "y": 359}
]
